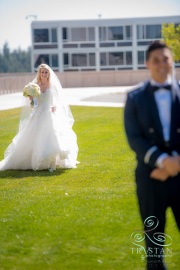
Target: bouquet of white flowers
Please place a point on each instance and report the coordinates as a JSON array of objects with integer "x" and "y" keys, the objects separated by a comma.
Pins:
[{"x": 31, "y": 90}]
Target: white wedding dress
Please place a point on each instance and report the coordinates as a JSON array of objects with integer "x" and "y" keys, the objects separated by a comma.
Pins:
[{"x": 46, "y": 140}]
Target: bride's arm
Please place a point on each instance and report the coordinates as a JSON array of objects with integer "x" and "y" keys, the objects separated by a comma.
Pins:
[
  {"x": 32, "y": 101},
  {"x": 54, "y": 100}
]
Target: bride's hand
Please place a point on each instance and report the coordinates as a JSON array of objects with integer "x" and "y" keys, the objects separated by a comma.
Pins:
[
  {"x": 53, "y": 109},
  {"x": 30, "y": 97}
]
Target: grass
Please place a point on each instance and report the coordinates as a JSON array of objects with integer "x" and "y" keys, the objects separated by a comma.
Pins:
[{"x": 79, "y": 218}]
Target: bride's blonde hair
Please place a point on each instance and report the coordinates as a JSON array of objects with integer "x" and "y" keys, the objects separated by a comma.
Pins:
[{"x": 39, "y": 70}]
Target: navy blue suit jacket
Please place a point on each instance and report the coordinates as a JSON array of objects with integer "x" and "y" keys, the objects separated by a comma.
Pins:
[{"x": 143, "y": 127}]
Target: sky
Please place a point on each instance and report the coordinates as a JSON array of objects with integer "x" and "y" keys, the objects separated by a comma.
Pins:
[{"x": 16, "y": 15}]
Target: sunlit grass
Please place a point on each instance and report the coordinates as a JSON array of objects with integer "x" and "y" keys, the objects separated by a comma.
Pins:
[{"x": 80, "y": 218}]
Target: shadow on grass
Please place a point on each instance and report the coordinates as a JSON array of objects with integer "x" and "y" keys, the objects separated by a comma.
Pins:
[{"x": 30, "y": 173}]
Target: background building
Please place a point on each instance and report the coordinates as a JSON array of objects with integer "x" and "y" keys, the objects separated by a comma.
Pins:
[{"x": 95, "y": 45}]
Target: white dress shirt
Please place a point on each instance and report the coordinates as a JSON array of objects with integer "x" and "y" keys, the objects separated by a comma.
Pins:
[{"x": 163, "y": 101}]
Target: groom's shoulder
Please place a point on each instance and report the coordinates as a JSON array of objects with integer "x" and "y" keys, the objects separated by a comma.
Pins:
[{"x": 138, "y": 90}]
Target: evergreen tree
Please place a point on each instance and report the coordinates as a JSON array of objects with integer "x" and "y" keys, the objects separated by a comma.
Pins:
[{"x": 16, "y": 61}]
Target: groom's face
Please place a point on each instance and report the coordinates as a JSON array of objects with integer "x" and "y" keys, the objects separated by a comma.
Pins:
[{"x": 160, "y": 64}]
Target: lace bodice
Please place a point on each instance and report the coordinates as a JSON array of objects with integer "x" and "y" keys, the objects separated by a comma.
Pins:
[{"x": 45, "y": 100}]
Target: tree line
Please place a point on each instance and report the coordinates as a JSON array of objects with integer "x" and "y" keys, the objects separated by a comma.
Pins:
[
  {"x": 20, "y": 61},
  {"x": 15, "y": 61}
]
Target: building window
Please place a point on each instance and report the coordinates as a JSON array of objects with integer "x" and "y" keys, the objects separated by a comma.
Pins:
[
  {"x": 141, "y": 57},
  {"x": 128, "y": 58},
  {"x": 128, "y": 32},
  {"x": 54, "y": 34},
  {"x": 64, "y": 34},
  {"x": 79, "y": 60},
  {"x": 149, "y": 32},
  {"x": 103, "y": 59},
  {"x": 153, "y": 31},
  {"x": 46, "y": 46},
  {"x": 49, "y": 59},
  {"x": 41, "y": 35},
  {"x": 91, "y": 34},
  {"x": 45, "y": 35},
  {"x": 78, "y": 34},
  {"x": 140, "y": 32},
  {"x": 115, "y": 33},
  {"x": 116, "y": 58},
  {"x": 41, "y": 59},
  {"x": 54, "y": 58},
  {"x": 92, "y": 61},
  {"x": 66, "y": 59},
  {"x": 102, "y": 33}
]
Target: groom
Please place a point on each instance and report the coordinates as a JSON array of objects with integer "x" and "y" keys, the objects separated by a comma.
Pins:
[{"x": 152, "y": 125}]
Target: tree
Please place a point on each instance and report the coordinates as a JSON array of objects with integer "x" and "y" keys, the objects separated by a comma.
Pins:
[
  {"x": 5, "y": 57},
  {"x": 171, "y": 35},
  {"x": 16, "y": 61}
]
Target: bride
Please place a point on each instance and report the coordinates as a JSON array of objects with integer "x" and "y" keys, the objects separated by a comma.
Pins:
[{"x": 45, "y": 139}]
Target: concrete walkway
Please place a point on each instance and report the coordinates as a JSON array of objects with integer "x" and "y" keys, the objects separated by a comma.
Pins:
[{"x": 89, "y": 96}]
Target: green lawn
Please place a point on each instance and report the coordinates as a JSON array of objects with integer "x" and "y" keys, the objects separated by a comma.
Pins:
[{"x": 79, "y": 218}]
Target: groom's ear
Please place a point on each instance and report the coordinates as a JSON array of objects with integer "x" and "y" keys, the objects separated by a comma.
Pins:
[{"x": 146, "y": 64}]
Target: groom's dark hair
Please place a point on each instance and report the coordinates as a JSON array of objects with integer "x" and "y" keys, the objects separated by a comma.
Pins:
[{"x": 155, "y": 46}]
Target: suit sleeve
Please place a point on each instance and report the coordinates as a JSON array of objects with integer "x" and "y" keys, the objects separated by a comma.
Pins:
[{"x": 137, "y": 140}]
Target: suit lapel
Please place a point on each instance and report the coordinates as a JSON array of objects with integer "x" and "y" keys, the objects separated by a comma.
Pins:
[{"x": 175, "y": 119}]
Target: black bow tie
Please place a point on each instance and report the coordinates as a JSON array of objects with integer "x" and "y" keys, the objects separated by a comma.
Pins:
[{"x": 166, "y": 87}]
